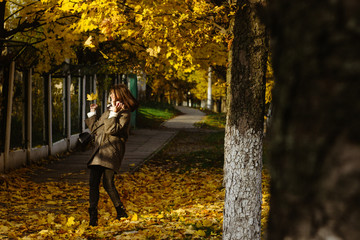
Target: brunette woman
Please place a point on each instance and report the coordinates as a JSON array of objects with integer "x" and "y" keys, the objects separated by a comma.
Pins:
[{"x": 111, "y": 132}]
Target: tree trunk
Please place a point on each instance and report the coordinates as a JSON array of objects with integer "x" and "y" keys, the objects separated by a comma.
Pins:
[
  {"x": 2, "y": 24},
  {"x": 244, "y": 127},
  {"x": 315, "y": 135}
]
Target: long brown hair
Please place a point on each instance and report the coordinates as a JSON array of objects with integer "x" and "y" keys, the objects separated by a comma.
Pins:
[{"x": 123, "y": 95}]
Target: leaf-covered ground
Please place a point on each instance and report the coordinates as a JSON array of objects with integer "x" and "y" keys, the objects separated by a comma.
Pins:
[{"x": 176, "y": 195}]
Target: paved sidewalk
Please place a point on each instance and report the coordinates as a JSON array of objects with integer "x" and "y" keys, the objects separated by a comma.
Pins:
[
  {"x": 141, "y": 145},
  {"x": 187, "y": 120}
]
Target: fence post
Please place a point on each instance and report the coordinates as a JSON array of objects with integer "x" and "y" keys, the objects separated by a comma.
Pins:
[
  {"x": 8, "y": 115},
  {"x": 83, "y": 103},
  {"x": 105, "y": 94},
  {"x": 48, "y": 112},
  {"x": 94, "y": 85},
  {"x": 28, "y": 118},
  {"x": 79, "y": 99},
  {"x": 68, "y": 109}
]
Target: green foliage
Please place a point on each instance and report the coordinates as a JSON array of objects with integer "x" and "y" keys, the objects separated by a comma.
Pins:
[{"x": 152, "y": 114}]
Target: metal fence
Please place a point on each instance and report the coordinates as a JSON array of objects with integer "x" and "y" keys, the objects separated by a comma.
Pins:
[{"x": 43, "y": 114}]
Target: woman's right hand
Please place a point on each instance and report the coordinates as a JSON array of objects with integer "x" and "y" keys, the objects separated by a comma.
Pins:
[{"x": 93, "y": 107}]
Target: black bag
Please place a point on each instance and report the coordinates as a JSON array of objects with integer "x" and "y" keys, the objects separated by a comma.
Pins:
[{"x": 85, "y": 138}]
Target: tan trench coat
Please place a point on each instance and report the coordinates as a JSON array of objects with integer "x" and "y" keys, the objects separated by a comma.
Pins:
[{"x": 110, "y": 139}]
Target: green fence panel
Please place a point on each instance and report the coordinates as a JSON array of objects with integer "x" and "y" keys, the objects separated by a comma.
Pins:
[{"x": 132, "y": 83}]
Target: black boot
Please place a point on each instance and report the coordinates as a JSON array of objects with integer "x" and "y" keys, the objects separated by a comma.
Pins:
[
  {"x": 121, "y": 213},
  {"x": 93, "y": 216}
]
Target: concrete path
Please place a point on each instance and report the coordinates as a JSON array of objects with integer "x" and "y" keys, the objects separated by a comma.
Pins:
[
  {"x": 141, "y": 145},
  {"x": 187, "y": 120}
]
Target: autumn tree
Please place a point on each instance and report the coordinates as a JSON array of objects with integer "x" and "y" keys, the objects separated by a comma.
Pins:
[
  {"x": 170, "y": 39},
  {"x": 244, "y": 126},
  {"x": 41, "y": 25},
  {"x": 315, "y": 144}
]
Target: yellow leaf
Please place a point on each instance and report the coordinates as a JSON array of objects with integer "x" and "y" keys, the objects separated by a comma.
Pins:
[
  {"x": 4, "y": 229},
  {"x": 41, "y": 221},
  {"x": 43, "y": 232},
  {"x": 207, "y": 223},
  {"x": 66, "y": 6},
  {"x": 137, "y": 8},
  {"x": 104, "y": 55},
  {"x": 92, "y": 96},
  {"x": 70, "y": 221},
  {"x": 51, "y": 218},
  {"x": 189, "y": 231},
  {"x": 160, "y": 216},
  {"x": 89, "y": 42},
  {"x": 200, "y": 233},
  {"x": 81, "y": 230},
  {"x": 134, "y": 217},
  {"x": 154, "y": 51}
]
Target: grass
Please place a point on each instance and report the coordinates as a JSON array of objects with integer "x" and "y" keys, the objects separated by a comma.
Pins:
[
  {"x": 152, "y": 114},
  {"x": 213, "y": 121}
]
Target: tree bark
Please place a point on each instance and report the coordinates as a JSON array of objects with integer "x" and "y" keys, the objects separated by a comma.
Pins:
[
  {"x": 244, "y": 127},
  {"x": 315, "y": 134},
  {"x": 2, "y": 24}
]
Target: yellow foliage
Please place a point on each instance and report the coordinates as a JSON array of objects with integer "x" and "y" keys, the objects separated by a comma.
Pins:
[
  {"x": 163, "y": 30},
  {"x": 270, "y": 82}
]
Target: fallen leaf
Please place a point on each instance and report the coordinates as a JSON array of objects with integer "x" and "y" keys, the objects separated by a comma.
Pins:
[
  {"x": 70, "y": 221},
  {"x": 134, "y": 217}
]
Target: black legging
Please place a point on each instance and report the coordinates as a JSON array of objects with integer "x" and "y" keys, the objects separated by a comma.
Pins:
[{"x": 108, "y": 182}]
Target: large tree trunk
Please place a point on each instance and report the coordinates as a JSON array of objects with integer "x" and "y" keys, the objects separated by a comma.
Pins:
[
  {"x": 315, "y": 136},
  {"x": 244, "y": 127}
]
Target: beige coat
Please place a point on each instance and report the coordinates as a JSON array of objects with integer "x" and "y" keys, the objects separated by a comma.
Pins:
[{"x": 110, "y": 139}]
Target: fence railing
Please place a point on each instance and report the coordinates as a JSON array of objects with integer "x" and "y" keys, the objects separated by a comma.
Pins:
[{"x": 43, "y": 114}]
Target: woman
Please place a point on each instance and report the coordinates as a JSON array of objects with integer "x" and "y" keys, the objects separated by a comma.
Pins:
[{"x": 111, "y": 132}]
